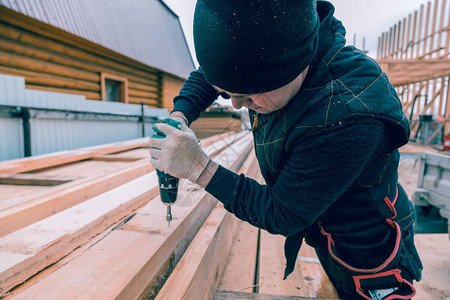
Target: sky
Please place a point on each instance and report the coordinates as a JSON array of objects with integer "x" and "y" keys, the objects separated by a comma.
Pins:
[{"x": 365, "y": 18}]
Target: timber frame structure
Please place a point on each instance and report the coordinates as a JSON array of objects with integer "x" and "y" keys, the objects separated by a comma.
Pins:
[{"x": 415, "y": 55}]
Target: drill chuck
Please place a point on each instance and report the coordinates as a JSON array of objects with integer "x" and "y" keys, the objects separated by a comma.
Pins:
[{"x": 168, "y": 188}]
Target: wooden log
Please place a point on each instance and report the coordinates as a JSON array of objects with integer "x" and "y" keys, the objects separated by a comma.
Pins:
[
  {"x": 197, "y": 274},
  {"x": 36, "y": 78},
  {"x": 59, "y": 158},
  {"x": 31, "y": 64},
  {"x": 135, "y": 254},
  {"x": 150, "y": 102},
  {"x": 143, "y": 94},
  {"x": 41, "y": 41},
  {"x": 61, "y": 58},
  {"x": 152, "y": 86}
]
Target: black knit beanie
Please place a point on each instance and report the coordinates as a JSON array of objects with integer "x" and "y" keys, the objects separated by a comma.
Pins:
[{"x": 254, "y": 46}]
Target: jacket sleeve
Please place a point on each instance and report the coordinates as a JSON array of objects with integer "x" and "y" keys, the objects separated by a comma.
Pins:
[
  {"x": 317, "y": 172},
  {"x": 195, "y": 96}
]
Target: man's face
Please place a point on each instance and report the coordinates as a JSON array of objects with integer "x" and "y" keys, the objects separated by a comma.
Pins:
[{"x": 267, "y": 102}]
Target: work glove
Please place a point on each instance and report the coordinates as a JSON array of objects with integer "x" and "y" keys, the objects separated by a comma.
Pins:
[
  {"x": 179, "y": 116},
  {"x": 176, "y": 150}
]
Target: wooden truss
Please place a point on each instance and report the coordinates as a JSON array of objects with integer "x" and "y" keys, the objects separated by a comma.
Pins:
[{"x": 415, "y": 55}]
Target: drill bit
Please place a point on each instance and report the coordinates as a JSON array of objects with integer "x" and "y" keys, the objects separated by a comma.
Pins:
[{"x": 169, "y": 215}]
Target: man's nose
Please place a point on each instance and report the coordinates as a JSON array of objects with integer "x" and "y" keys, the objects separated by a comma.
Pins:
[{"x": 237, "y": 102}]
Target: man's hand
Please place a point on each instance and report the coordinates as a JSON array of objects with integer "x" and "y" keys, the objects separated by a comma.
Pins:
[{"x": 176, "y": 151}]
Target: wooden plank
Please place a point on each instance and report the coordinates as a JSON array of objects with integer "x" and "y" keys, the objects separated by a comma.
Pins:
[
  {"x": 271, "y": 266},
  {"x": 318, "y": 284},
  {"x": 239, "y": 272},
  {"x": 34, "y": 179},
  {"x": 11, "y": 194},
  {"x": 413, "y": 37},
  {"x": 115, "y": 158},
  {"x": 49, "y": 160},
  {"x": 419, "y": 35},
  {"x": 29, "y": 250},
  {"x": 136, "y": 254},
  {"x": 18, "y": 214},
  {"x": 197, "y": 274},
  {"x": 26, "y": 210},
  {"x": 227, "y": 295},
  {"x": 402, "y": 49},
  {"x": 427, "y": 25}
]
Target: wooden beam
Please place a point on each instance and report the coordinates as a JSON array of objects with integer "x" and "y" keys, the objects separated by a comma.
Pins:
[
  {"x": 59, "y": 158},
  {"x": 271, "y": 271},
  {"x": 115, "y": 158},
  {"x": 197, "y": 274},
  {"x": 318, "y": 283},
  {"x": 137, "y": 253},
  {"x": 240, "y": 269},
  {"x": 28, "y": 210},
  {"x": 36, "y": 207},
  {"x": 29, "y": 250},
  {"x": 230, "y": 295},
  {"x": 35, "y": 179}
]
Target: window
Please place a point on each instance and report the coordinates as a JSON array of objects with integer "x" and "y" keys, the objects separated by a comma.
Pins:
[{"x": 114, "y": 88}]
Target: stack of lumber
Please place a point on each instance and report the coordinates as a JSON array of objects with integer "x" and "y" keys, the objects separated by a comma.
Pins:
[
  {"x": 89, "y": 224},
  {"x": 217, "y": 120}
]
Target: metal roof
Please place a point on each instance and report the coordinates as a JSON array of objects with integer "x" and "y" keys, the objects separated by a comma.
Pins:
[{"x": 144, "y": 30}]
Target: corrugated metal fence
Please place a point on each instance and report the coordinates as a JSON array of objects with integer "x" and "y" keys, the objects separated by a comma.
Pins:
[{"x": 38, "y": 122}]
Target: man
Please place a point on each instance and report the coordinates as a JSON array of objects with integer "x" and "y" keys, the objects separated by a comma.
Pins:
[{"x": 326, "y": 124}]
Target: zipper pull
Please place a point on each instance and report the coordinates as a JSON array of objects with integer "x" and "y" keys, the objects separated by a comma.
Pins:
[{"x": 255, "y": 122}]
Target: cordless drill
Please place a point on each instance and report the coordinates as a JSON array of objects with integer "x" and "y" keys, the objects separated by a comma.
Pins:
[
  {"x": 168, "y": 188},
  {"x": 168, "y": 185}
]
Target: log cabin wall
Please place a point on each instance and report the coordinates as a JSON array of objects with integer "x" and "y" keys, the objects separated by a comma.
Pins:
[
  {"x": 171, "y": 87},
  {"x": 52, "y": 59}
]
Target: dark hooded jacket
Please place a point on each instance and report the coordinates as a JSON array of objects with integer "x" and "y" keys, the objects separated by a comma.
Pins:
[{"x": 329, "y": 156}]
